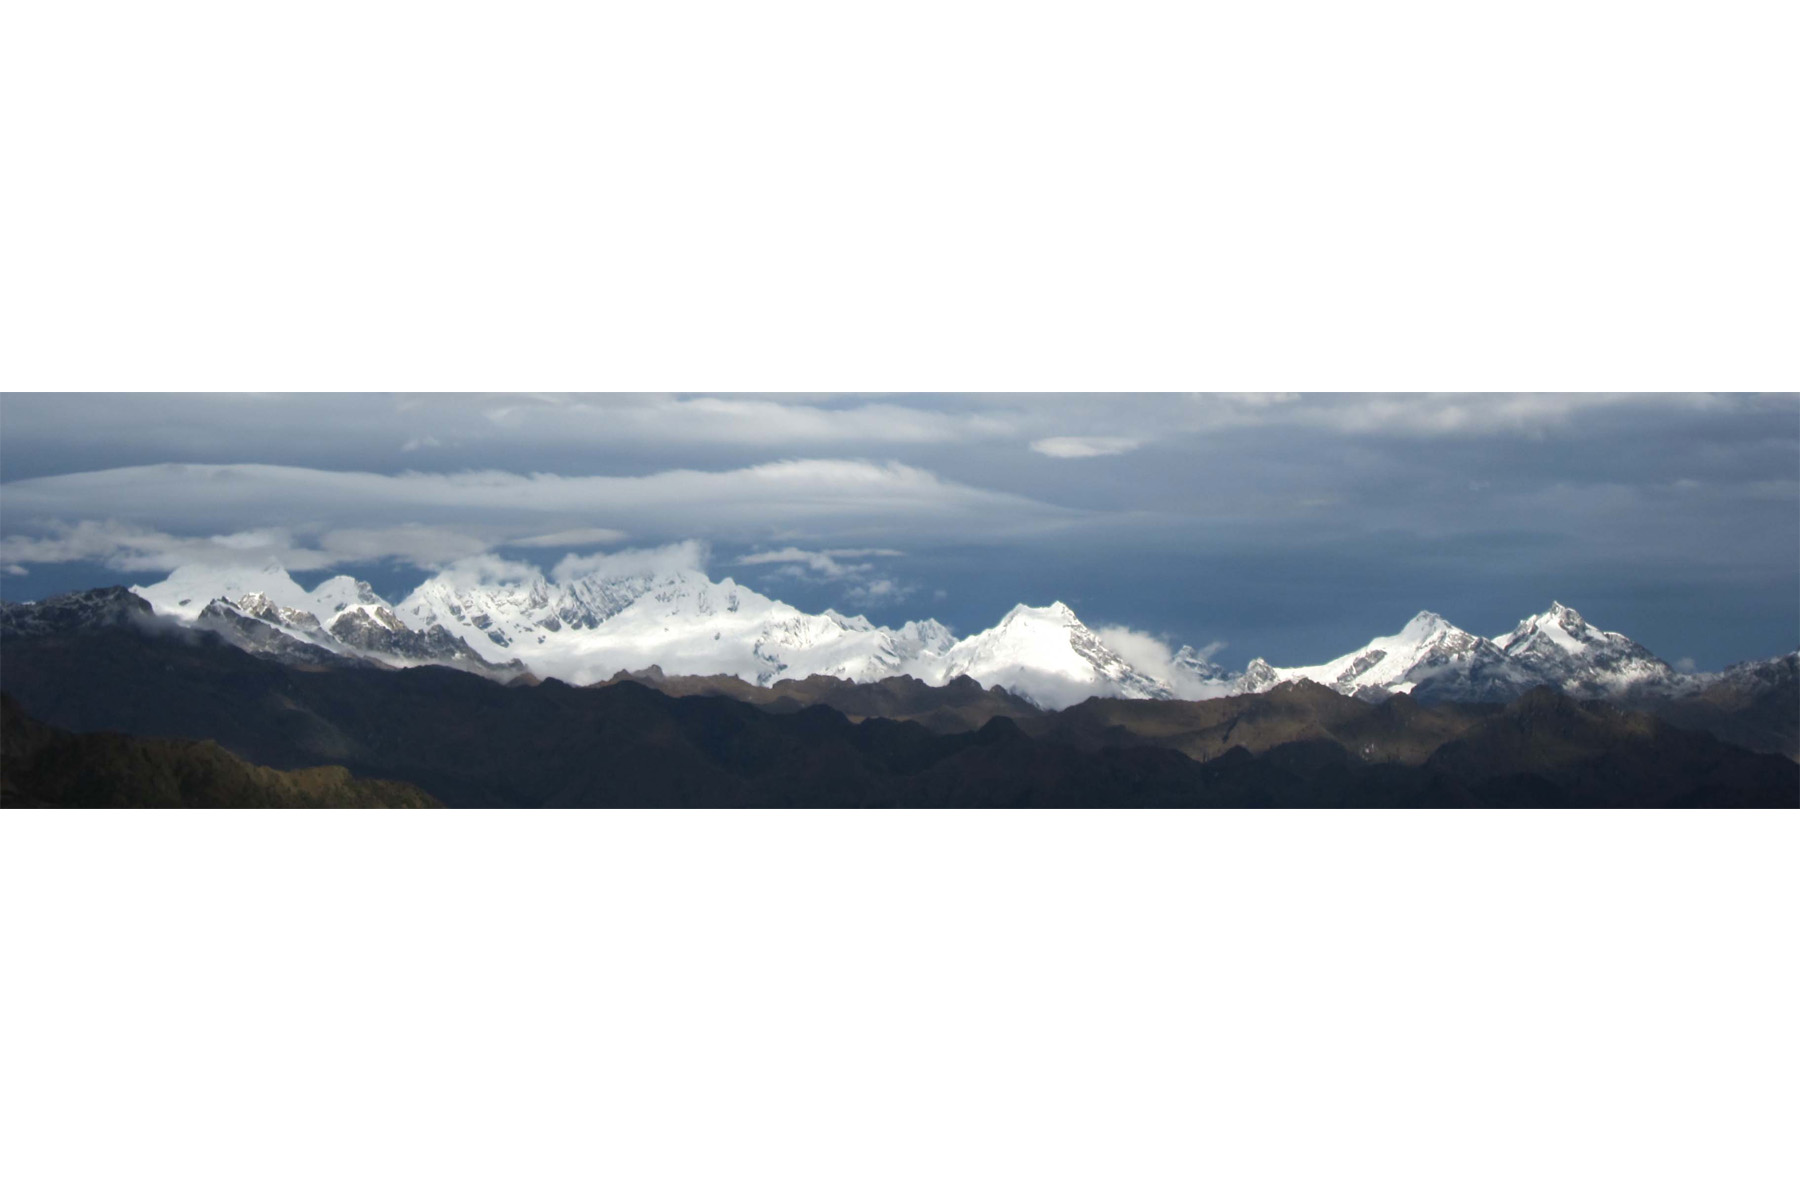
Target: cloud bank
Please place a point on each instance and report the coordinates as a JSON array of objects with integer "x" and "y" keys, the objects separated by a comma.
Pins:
[{"x": 318, "y": 516}]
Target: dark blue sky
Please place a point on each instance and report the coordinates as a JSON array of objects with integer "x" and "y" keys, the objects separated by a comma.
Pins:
[{"x": 1294, "y": 527}]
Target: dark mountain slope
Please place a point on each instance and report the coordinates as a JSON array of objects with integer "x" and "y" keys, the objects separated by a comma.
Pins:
[
  {"x": 1591, "y": 748},
  {"x": 1396, "y": 730},
  {"x": 1752, "y": 704},
  {"x": 41, "y": 767},
  {"x": 956, "y": 707}
]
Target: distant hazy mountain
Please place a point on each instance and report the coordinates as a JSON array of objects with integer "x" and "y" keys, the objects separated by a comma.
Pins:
[{"x": 588, "y": 629}]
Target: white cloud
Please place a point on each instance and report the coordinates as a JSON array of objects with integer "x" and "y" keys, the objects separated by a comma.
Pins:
[
  {"x": 880, "y": 591},
  {"x": 1085, "y": 447},
  {"x": 1154, "y": 656},
  {"x": 1145, "y": 651},
  {"x": 687, "y": 555},
  {"x": 861, "y": 585},
  {"x": 488, "y": 570},
  {"x": 827, "y": 564},
  {"x": 136, "y": 548}
]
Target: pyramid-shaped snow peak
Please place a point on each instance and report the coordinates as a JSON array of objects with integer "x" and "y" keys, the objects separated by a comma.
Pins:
[
  {"x": 1048, "y": 656},
  {"x": 1561, "y": 649}
]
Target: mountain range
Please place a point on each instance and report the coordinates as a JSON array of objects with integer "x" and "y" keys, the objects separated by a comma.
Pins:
[
  {"x": 108, "y": 703},
  {"x": 589, "y": 628}
]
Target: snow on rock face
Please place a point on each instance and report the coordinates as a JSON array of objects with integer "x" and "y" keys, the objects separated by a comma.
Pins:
[
  {"x": 189, "y": 589},
  {"x": 1563, "y": 650},
  {"x": 263, "y": 633},
  {"x": 342, "y": 615},
  {"x": 341, "y": 592},
  {"x": 361, "y": 634},
  {"x": 258, "y": 605},
  {"x": 588, "y": 629},
  {"x": 1049, "y": 657},
  {"x": 1258, "y": 676},
  {"x": 375, "y": 630},
  {"x": 922, "y": 639},
  {"x": 492, "y": 617},
  {"x": 1429, "y": 656}
]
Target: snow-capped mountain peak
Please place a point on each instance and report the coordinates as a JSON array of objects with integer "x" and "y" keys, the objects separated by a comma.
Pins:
[
  {"x": 190, "y": 587},
  {"x": 341, "y": 592},
  {"x": 1559, "y": 625},
  {"x": 1428, "y": 653},
  {"x": 927, "y": 637},
  {"x": 1425, "y": 625},
  {"x": 1560, "y": 647},
  {"x": 258, "y": 605},
  {"x": 1258, "y": 676},
  {"x": 1048, "y": 656}
]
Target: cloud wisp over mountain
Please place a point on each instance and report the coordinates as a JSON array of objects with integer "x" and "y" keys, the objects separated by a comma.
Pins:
[{"x": 1284, "y": 525}]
